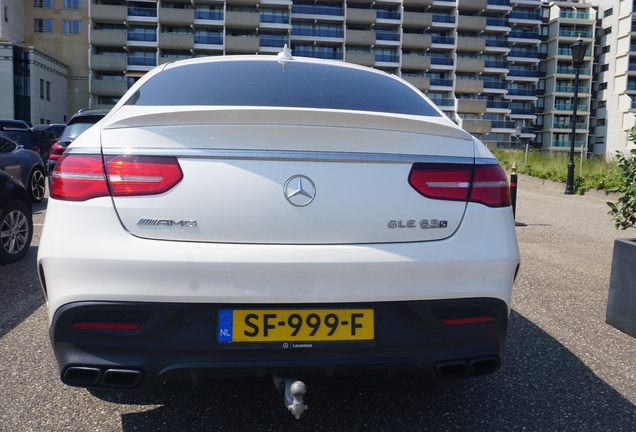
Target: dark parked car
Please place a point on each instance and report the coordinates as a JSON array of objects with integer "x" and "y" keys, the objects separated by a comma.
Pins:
[
  {"x": 25, "y": 165},
  {"x": 16, "y": 222},
  {"x": 37, "y": 139},
  {"x": 80, "y": 121}
]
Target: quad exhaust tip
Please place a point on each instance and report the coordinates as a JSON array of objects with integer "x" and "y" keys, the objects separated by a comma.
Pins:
[
  {"x": 86, "y": 376},
  {"x": 463, "y": 368}
]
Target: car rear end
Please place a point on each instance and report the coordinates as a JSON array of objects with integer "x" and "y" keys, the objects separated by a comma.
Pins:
[{"x": 260, "y": 237}]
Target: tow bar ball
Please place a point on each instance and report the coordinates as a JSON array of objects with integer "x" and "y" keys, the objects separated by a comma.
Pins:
[{"x": 293, "y": 397}]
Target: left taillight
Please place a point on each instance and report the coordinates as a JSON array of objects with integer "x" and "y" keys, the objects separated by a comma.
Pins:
[{"x": 79, "y": 177}]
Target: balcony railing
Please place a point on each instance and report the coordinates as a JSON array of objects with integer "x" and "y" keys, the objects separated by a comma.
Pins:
[
  {"x": 496, "y": 64},
  {"x": 142, "y": 37},
  {"x": 576, "y": 15},
  {"x": 500, "y": 85},
  {"x": 522, "y": 111},
  {"x": 382, "y": 14},
  {"x": 575, "y": 33},
  {"x": 496, "y": 43},
  {"x": 497, "y": 124},
  {"x": 387, "y": 58},
  {"x": 499, "y": 2},
  {"x": 520, "y": 34},
  {"x": 441, "y": 18},
  {"x": 443, "y": 102},
  {"x": 524, "y": 54},
  {"x": 334, "y": 33},
  {"x": 272, "y": 41},
  {"x": 522, "y": 92},
  {"x": 443, "y": 40},
  {"x": 142, "y": 11},
  {"x": 498, "y": 104},
  {"x": 523, "y": 73},
  {"x": 318, "y": 10},
  {"x": 566, "y": 125},
  {"x": 569, "y": 107},
  {"x": 317, "y": 54},
  {"x": 444, "y": 61},
  {"x": 632, "y": 48},
  {"x": 632, "y": 67},
  {"x": 208, "y": 39},
  {"x": 577, "y": 144},
  {"x": 633, "y": 103},
  {"x": 525, "y": 15},
  {"x": 497, "y": 22},
  {"x": 568, "y": 52},
  {"x": 141, "y": 61},
  {"x": 274, "y": 19},
  {"x": 572, "y": 71},
  {"x": 441, "y": 82},
  {"x": 215, "y": 15},
  {"x": 570, "y": 89},
  {"x": 386, "y": 36},
  {"x": 631, "y": 86}
]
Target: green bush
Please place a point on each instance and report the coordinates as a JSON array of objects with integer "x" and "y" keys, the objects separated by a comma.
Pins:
[{"x": 623, "y": 212}]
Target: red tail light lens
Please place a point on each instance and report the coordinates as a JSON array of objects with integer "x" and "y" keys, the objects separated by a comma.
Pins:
[
  {"x": 56, "y": 151},
  {"x": 82, "y": 177},
  {"x": 484, "y": 184}
]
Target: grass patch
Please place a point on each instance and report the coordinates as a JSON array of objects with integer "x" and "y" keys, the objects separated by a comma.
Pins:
[{"x": 596, "y": 174}]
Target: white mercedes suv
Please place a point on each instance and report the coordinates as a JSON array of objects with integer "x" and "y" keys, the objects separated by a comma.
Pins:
[{"x": 264, "y": 214}]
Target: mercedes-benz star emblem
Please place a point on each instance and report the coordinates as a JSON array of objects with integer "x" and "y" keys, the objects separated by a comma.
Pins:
[{"x": 299, "y": 190}]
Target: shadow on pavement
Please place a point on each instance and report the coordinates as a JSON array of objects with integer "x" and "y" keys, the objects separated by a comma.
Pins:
[
  {"x": 542, "y": 386},
  {"x": 20, "y": 292}
]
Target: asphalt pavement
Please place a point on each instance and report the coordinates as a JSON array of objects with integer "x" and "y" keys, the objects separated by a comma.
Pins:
[{"x": 564, "y": 368}]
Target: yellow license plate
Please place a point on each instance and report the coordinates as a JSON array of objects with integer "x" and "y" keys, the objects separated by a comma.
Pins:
[{"x": 287, "y": 325}]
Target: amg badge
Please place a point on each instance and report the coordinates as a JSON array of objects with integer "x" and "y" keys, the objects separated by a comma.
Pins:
[{"x": 186, "y": 223}]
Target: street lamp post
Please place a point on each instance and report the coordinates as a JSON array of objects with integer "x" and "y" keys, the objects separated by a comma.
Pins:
[{"x": 578, "y": 49}]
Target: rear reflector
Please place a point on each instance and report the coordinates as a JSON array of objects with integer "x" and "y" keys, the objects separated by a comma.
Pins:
[
  {"x": 80, "y": 177},
  {"x": 105, "y": 326},
  {"x": 484, "y": 184},
  {"x": 460, "y": 321}
]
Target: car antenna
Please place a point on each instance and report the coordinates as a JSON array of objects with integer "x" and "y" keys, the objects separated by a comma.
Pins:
[{"x": 285, "y": 57}]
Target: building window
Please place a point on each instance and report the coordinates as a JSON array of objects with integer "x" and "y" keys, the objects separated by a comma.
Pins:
[
  {"x": 45, "y": 90},
  {"x": 41, "y": 89},
  {"x": 601, "y": 104},
  {"x": 43, "y": 25},
  {"x": 6, "y": 13},
  {"x": 608, "y": 12},
  {"x": 73, "y": 27},
  {"x": 602, "y": 86},
  {"x": 600, "y": 122},
  {"x": 604, "y": 67},
  {"x": 607, "y": 31},
  {"x": 73, "y": 4},
  {"x": 48, "y": 4},
  {"x": 48, "y": 90},
  {"x": 600, "y": 140},
  {"x": 605, "y": 49}
]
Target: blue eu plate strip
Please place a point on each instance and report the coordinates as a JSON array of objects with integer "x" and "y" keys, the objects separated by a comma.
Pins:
[{"x": 225, "y": 325}]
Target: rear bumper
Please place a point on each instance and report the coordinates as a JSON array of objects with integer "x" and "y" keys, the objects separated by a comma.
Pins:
[{"x": 179, "y": 341}]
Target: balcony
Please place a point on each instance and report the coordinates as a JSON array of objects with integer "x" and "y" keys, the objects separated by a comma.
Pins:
[
  {"x": 209, "y": 39},
  {"x": 331, "y": 55},
  {"x": 108, "y": 87},
  {"x": 390, "y": 15},
  {"x": 272, "y": 41},
  {"x": 442, "y": 61},
  {"x": 387, "y": 58},
  {"x": 521, "y": 92},
  {"x": 441, "y": 18},
  {"x": 496, "y": 64},
  {"x": 524, "y": 54},
  {"x": 522, "y": 111},
  {"x": 318, "y": 10},
  {"x": 443, "y": 102},
  {"x": 576, "y": 15},
  {"x": 498, "y": 85},
  {"x": 142, "y": 12},
  {"x": 575, "y": 33},
  {"x": 632, "y": 67},
  {"x": 142, "y": 61},
  {"x": 270, "y": 18},
  {"x": 499, "y": 2},
  {"x": 568, "y": 52},
  {"x": 566, "y": 125},
  {"x": 497, "y": 124},
  {"x": 142, "y": 37},
  {"x": 496, "y": 22},
  {"x": 572, "y": 71},
  {"x": 522, "y": 73},
  {"x": 520, "y": 34},
  {"x": 108, "y": 63},
  {"x": 525, "y": 15},
  {"x": 213, "y": 15},
  {"x": 441, "y": 82},
  {"x": 498, "y": 104},
  {"x": 242, "y": 44},
  {"x": 443, "y": 40},
  {"x": 631, "y": 86},
  {"x": 570, "y": 89},
  {"x": 386, "y": 36},
  {"x": 496, "y": 43},
  {"x": 332, "y": 33},
  {"x": 568, "y": 144},
  {"x": 569, "y": 107}
]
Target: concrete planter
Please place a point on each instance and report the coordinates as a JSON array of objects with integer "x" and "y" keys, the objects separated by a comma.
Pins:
[{"x": 621, "y": 301}]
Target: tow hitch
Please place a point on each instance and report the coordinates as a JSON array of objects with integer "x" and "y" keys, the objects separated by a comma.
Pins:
[{"x": 294, "y": 391}]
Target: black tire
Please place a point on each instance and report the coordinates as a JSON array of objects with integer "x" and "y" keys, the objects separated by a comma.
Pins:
[
  {"x": 37, "y": 184},
  {"x": 16, "y": 231}
]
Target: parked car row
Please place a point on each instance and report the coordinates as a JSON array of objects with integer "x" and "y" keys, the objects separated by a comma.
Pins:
[{"x": 16, "y": 220}]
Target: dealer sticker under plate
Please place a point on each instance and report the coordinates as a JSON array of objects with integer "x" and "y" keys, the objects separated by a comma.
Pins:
[{"x": 306, "y": 325}]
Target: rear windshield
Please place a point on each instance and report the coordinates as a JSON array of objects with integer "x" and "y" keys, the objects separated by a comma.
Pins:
[{"x": 268, "y": 83}]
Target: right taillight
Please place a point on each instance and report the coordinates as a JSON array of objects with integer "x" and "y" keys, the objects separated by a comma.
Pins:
[
  {"x": 56, "y": 151},
  {"x": 482, "y": 183},
  {"x": 80, "y": 177}
]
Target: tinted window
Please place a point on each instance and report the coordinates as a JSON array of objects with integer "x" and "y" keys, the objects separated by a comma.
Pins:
[
  {"x": 77, "y": 125},
  {"x": 6, "y": 146},
  {"x": 267, "y": 83}
]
